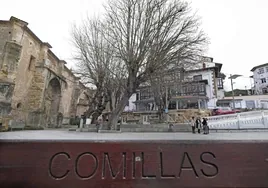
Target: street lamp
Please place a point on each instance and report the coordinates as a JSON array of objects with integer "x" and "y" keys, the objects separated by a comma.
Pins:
[{"x": 233, "y": 77}]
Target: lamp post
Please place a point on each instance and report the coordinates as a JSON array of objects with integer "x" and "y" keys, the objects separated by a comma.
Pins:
[{"x": 233, "y": 77}]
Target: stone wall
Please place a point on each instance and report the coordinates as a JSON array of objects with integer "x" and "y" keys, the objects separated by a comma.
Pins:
[
  {"x": 32, "y": 65},
  {"x": 5, "y": 34},
  {"x": 66, "y": 100}
]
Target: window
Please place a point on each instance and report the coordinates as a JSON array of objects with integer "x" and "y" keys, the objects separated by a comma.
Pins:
[
  {"x": 31, "y": 63},
  {"x": 220, "y": 83},
  {"x": 145, "y": 94},
  {"x": 263, "y": 80},
  {"x": 266, "y": 69},
  {"x": 197, "y": 77},
  {"x": 261, "y": 70},
  {"x": 138, "y": 96},
  {"x": 264, "y": 90}
]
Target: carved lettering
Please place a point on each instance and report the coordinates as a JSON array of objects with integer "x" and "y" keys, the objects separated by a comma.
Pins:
[
  {"x": 133, "y": 165},
  {"x": 122, "y": 165},
  {"x": 142, "y": 172},
  {"x": 92, "y": 171},
  {"x": 208, "y": 163},
  {"x": 162, "y": 169},
  {"x": 191, "y": 167},
  {"x": 87, "y": 166},
  {"x": 54, "y": 157}
]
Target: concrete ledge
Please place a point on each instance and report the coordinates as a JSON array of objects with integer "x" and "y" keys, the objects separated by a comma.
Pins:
[
  {"x": 72, "y": 129},
  {"x": 86, "y": 130},
  {"x": 109, "y": 131}
]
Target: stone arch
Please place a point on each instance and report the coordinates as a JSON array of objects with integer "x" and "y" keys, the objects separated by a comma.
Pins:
[
  {"x": 53, "y": 98},
  {"x": 82, "y": 103},
  {"x": 83, "y": 95}
]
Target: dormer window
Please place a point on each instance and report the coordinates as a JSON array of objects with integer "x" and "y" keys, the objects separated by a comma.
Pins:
[{"x": 261, "y": 70}]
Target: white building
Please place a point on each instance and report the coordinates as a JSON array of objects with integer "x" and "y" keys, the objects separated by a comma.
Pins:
[
  {"x": 210, "y": 72},
  {"x": 201, "y": 87},
  {"x": 260, "y": 77},
  {"x": 242, "y": 102}
]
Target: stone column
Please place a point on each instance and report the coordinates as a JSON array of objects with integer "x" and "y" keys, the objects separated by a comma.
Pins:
[{"x": 177, "y": 104}]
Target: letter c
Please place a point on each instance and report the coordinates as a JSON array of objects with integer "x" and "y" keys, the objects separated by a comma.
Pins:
[{"x": 58, "y": 177}]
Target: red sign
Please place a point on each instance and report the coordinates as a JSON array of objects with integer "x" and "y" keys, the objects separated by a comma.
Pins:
[{"x": 133, "y": 164}]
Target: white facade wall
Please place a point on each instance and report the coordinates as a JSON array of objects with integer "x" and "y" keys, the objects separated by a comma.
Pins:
[
  {"x": 220, "y": 94},
  {"x": 210, "y": 90},
  {"x": 131, "y": 106},
  {"x": 257, "y": 76}
]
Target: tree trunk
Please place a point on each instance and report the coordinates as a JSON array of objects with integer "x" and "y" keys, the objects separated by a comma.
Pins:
[
  {"x": 112, "y": 124},
  {"x": 95, "y": 116}
]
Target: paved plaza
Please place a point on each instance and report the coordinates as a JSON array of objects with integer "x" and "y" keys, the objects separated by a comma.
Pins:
[{"x": 98, "y": 137}]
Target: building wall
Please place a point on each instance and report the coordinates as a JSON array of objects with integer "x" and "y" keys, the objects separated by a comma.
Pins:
[
  {"x": 257, "y": 79},
  {"x": 24, "y": 72},
  {"x": 210, "y": 88},
  {"x": 5, "y": 35},
  {"x": 69, "y": 86},
  {"x": 32, "y": 66},
  {"x": 131, "y": 105}
]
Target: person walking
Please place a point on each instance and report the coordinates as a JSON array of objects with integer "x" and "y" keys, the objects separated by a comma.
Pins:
[
  {"x": 198, "y": 125},
  {"x": 192, "y": 121},
  {"x": 205, "y": 126}
]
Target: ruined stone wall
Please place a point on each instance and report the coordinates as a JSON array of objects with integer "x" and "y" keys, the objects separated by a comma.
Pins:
[
  {"x": 82, "y": 105},
  {"x": 67, "y": 93},
  {"x": 31, "y": 66},
  {"x": 5, "y": 35},
  {"x": 29, "y": 80}
]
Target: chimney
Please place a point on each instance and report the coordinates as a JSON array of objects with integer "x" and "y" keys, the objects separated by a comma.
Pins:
[{"x": 204, "y": 65}]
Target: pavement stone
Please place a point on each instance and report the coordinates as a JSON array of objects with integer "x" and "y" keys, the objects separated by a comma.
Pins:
[{"x": 61, "y": 135}]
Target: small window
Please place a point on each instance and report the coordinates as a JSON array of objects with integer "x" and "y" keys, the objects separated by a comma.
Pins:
[
  {"x": 266, "y": 69},
  {"x": 264, "y": 90},
  {"x": 19, "y": 105},
  {"x": 263, "y": 80},
  {"x": 197, "y": 77},
  {"x": 261, "y": 70},
  {"x": 220, "y": 83},
  {"x": 31, "y": 63}
]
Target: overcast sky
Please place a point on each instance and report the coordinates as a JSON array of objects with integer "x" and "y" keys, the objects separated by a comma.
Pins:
[{"x": 237, "y": 29}]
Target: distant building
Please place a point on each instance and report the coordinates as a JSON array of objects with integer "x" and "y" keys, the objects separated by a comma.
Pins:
[
  {"x": 245, "y": 102},
  {"x": 260, "y": 77},
  {"x": 198, "y": 87}
]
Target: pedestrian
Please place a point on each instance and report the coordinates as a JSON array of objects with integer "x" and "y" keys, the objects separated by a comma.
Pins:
[
  {"x": 205, "y": 125},
  {"x": 84, "y": 119},
  {"x": 192, "y": 121},
  {"x": 198, "y": 125}
]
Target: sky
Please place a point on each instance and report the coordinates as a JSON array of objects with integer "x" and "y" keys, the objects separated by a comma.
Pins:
[{"x": 237, "y": 29}]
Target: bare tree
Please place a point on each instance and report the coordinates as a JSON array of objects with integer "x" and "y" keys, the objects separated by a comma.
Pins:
[
  {"x": 94, "y": 63},
  {"x": 147, "y": 36},
  {"x": 98, "y": 66}
]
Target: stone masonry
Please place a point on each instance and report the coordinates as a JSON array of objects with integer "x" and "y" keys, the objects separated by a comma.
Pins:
[{"x": 44, "y": 86}]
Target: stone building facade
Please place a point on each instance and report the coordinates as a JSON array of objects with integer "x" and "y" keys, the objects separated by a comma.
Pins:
[{"x": 43, "y": 87}]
